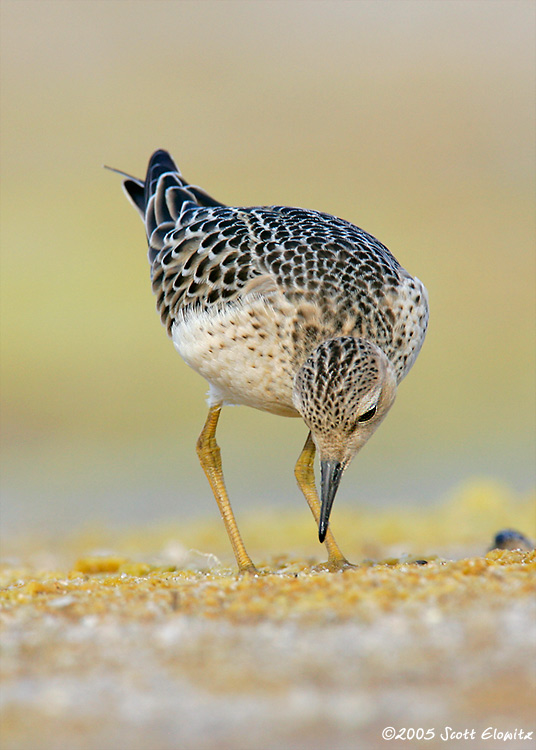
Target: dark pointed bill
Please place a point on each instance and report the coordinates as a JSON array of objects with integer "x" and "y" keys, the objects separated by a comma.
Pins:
[{"x": 330, "y": 474}]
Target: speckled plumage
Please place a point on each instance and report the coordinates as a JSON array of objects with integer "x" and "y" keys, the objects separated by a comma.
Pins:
[{"x": 257, "y": 298}]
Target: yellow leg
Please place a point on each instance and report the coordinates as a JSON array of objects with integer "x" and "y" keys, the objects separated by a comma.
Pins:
[
  {"x": 304, "y": 472},
  {"x": 210, "y": 458}
]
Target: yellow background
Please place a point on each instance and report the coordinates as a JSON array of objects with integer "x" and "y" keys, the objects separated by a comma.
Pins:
[{"x": 413, "y": 120}]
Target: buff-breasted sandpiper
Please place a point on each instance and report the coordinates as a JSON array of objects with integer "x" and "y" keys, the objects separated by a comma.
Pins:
[{"x": 287, "y": 310}]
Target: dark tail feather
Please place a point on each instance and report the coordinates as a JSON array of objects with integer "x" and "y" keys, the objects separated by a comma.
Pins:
[
  {"x": 165, "y": 193},
  {"x": 160, "y": 198},
  {"x": 135, "y": 190},
  {"x": 160, "y": 163},
  {"x": 202, "y": 198}
]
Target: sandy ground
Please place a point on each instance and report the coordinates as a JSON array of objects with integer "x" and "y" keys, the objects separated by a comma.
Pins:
[{"x": 116, "y": 651}]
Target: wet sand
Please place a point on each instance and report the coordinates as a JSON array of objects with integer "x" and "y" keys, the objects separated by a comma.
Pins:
[{"x": 121, "y": 651}]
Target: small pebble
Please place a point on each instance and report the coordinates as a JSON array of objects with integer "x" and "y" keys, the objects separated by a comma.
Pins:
[{"x": 511, "y": 539}]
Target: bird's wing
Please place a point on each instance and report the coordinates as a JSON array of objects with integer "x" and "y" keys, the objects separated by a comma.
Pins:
[
  {"x": 212, "y": 256},
  {"x": 203, "y": 253}
]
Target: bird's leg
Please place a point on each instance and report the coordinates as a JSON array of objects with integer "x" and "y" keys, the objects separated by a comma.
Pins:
[
  {"x": 210, "y": 458},
  {"x": 304, "y": 472}
]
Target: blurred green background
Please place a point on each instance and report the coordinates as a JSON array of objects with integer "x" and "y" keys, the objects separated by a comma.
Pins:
[{"x": 414, "y": 120}]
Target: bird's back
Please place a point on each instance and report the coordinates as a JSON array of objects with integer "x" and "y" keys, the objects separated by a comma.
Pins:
[{"x": 300, "y": 275}]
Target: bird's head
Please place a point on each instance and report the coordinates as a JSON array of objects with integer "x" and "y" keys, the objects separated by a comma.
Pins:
[{"x": 343, "y": 392}]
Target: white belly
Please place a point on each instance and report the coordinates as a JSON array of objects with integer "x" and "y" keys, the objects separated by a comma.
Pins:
[{"x": 239, "y": 352}]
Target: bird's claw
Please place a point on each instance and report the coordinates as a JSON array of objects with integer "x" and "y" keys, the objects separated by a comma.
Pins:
[{"x": 339, "y": 565}]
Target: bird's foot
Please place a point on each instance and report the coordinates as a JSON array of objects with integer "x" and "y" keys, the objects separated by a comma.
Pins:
[
  {"x": 248, "y": 570},
  {"x": 336, "y": 565}
]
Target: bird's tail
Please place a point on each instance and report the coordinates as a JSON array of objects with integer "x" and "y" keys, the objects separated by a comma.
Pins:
[{"x": 161, "y": 197}]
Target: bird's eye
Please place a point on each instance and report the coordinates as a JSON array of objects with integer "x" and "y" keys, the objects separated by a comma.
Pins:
[{"x": 367, "y": 415}]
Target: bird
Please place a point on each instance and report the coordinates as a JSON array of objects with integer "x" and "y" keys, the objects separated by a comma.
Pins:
[{"x": 287, "y": 310}]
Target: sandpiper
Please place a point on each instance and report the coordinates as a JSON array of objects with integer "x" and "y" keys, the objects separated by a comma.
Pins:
[{"x": 287, "y": 310}]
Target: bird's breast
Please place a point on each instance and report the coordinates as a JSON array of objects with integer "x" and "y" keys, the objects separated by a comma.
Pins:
[{"x": 241, "y": 350}]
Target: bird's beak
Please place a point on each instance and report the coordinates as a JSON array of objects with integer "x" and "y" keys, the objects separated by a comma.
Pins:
[{"x": 330, "y": 473}]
